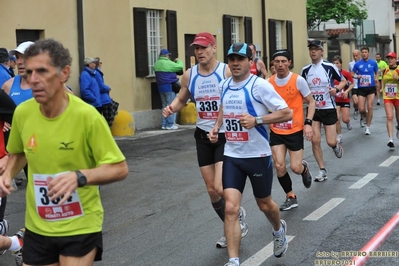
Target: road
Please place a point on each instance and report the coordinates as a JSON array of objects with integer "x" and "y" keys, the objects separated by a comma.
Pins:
[{"x": 161, "y": 214}]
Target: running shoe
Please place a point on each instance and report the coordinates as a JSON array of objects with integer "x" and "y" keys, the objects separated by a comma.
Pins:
[
  {"x": 231, "y": 263},
  {"x": 378, "y": 102},
  {"x": 349, "y": 126},
  {"x": 280, "y": 242},
  {"x": 18, "y": 254},
  {"x": 289, "y": 204},
  {"x": 355, "y": 115},
  {"x": 321, "y": 176},
  {"x": 391, "y": 144},
  {"x": 397, "y": 132},
  {"x": 4, "y": 226},
  {"x": 306, "y": 177},
  {"x": 243, "y": 224},
  {"x": 222, "y": 242},
  {"x": 367, "y": 131},
  {"x": 339, "y": 138},
  {"x": 173, "y": 127},
  {"x": 339, "y": 151},
  {"x": 362, "y": 123},
  {"x": 163, "y": 127}
]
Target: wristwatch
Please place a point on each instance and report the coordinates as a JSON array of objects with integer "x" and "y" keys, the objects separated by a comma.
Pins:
[
  {"x": 82, "y": 180},
  {"x": 259, "y": 120},
  {"x": 308, "y": 121}
]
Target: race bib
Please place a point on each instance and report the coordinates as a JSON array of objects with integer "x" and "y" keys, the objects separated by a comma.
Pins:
[
  {"x": 391, "y": 90},
  {"x": 234, "y": 132},
  {"x": 49, "y": 209},
  {"x": 284, "y": 125},
  {"x": 365, "y": 81},
  {"x": 208, "y": 107},
  {"x": 318, "y": 96}
]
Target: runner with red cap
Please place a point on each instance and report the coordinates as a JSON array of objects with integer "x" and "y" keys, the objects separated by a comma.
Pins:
[{"x": 389, "y": 89}]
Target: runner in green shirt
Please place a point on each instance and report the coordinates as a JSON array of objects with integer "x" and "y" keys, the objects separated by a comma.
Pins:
[{"x": 382, "y": 65}]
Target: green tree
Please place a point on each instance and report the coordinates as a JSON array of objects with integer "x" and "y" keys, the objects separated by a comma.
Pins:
[{"x": 319, "y": 11}]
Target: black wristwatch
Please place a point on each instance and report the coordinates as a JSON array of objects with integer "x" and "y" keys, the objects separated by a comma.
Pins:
[
  {"x": 308, "y": 121},
  {"x": 337, "y": 90},
  {"x": 82, "y": 180}
]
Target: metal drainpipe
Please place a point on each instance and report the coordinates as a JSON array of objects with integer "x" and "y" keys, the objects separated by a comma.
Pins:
[
  {"x": 81, "y": 42},
  {"x": 264, "y": 42}
]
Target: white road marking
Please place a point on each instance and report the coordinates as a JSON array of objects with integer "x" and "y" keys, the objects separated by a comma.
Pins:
[
  {"x": 262, "y": 255},
  {"x": 323, "y": 210},
  {"x": 362, "y": 182},
  {"x": 389, "y": 161}
]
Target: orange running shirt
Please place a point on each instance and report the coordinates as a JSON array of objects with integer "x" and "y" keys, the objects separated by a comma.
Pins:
[{"x": 291, "y": 94}]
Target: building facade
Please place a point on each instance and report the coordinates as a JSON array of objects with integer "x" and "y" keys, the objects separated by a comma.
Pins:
[{"x": 128, "y": 34}]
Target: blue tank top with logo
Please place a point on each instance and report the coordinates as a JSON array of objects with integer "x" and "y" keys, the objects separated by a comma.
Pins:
[{"x": 17, "y": 94}]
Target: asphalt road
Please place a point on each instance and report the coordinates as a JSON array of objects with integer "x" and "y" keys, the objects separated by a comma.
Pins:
[{"x": 161, "y": 214}]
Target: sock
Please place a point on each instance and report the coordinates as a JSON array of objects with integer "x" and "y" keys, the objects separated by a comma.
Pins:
[
  {"x": 16, "y": 243},
  {"x": 219, "y": 208},
  {"x": 323, "y": 169},
  {"x": 334, "y": 147},
  {"x": 285, "y": 182},
  {"x": 279, "y": 232},
  {"x": 236, "y": 260}
]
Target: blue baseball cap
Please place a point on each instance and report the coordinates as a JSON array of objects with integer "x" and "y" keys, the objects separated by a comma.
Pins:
[
  {"x": 164, "y": 52},
  {"x": 13, "y": 58},
  {"x": 241, "y": 49}
]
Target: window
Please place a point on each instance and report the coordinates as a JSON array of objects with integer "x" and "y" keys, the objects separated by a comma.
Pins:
[
  {"x": 235, "y": 29},
  {"x": 279, "y": 35},
  {"x": 153, "y": 38}
]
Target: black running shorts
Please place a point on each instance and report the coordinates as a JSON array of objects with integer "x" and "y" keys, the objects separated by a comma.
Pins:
[
  {"x": 45, "y": 250},
  {"x": 208, "y": 153},
  {"x": 293, "y": 142},
  {"x": 326, "y": 116}
]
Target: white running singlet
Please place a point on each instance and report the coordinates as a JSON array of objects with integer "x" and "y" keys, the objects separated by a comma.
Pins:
[
  {"x": 254, "y": 96},
  {"x": 320, "y": 77},
  {"x": 205, "y": 91}
]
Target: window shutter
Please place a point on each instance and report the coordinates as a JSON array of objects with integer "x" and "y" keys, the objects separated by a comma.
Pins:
[
  {"x": 248, "y": 29},
  {"x": 272, "y": 37},
  {"x": 140, "y": 41},
  {"x": 290, "y": 41},
  {"x": 226, "y": 35},
  {"x": 171, "y": 31}
]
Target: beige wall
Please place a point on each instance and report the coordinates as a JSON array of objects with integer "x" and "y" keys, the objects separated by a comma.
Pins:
[
  {"x": 108, "y": 33},
  {"x": 296, "y": 12}
]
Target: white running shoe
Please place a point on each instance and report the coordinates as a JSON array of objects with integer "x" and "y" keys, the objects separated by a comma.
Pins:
[
  {"x": 321, "y": 176},
  {"x": 243, "y": 224},
  {"x": 172, "y": 127},
  {"x": 222, "y": 242},
  {"x": 367, "y": 131},
  {"x": 338, "y": 151},
  {"x": 280, "y": 242},
  {"x": 339, "y": 138},
  {"x": 355, "y": 115},
  {"x": 349, "y": 126},
  {"x": 362, "y": 122}
]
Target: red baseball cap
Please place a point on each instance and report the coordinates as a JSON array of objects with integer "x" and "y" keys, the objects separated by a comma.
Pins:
[
  {"x": 392, "y": 54},
  {"x": 204, "y": 39}
]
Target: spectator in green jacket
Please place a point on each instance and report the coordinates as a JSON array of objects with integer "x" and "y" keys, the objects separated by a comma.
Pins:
[{"x": 165, "y": 74}]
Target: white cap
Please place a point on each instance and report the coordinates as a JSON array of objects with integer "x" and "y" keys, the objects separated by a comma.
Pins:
[{"x": 21, "y": 48}]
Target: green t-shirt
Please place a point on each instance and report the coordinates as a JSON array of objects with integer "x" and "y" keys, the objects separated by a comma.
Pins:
[
  {"x": 77, "y": 139},
  {"x": 382, "y": 65}
]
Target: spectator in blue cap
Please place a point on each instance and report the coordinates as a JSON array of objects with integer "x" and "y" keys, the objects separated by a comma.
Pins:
[
  {"x": 165, "y": 74},
  {"x": 13, "y": 63},
  {"x": 4, "y": 59}
]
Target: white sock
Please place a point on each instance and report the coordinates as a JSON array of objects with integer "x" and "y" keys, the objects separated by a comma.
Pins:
[
  {"x": 279, "y": 232},
  {"x": 14, "y": 244},
  {"x": 237, "y": 260}
]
